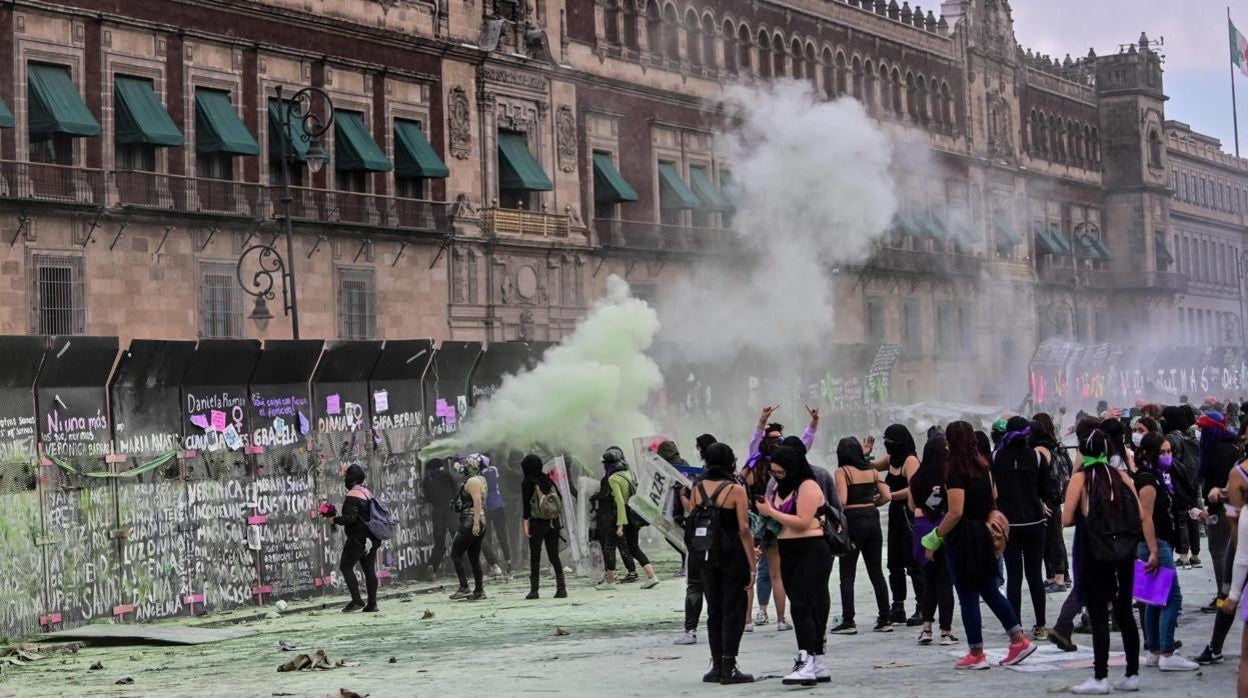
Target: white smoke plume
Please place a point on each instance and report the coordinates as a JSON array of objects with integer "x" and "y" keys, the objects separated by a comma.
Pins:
[
  {"x": 813, "y": 190},
  {"x": 588, "y": 391}
]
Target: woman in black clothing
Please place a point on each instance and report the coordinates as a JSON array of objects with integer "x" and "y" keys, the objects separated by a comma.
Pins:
[
  {"x": 1020, "y": 471},
  {"x": 728, "y": 569},
  {"x": 861, "y": 490},
  {"x": 469, "y": 503},
  {"x": 1098, "y": 485},
  {"x": 926, "y": 498},
  {"x": 903, "y": 462},
  {"x": 805, "y": 560},
  {"x": 538, "y": 528},
  {"x": 1056, "y": 559},
  {"x": 360, "y": 546}
]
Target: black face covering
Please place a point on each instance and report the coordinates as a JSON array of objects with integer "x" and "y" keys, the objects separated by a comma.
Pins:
[{"x": 899, "y": 444}]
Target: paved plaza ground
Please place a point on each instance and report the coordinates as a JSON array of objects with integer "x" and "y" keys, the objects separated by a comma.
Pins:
[{"x": 617, "y": 643}]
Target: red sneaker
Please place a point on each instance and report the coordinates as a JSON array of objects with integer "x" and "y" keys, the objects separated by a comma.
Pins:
[
  {"x": 1018, "y": 652},
  {"x": 972, "y": 661}
]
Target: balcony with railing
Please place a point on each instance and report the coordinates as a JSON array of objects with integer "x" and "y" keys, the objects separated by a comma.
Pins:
[
  {"x": 63, "y": 184},
  {"x": 896, "y": 259},
  {"x": 643, "y": 235},
  {"x": 216, "y": 197},
  {"x": 506, "y": 221},
  {"x": 361, "y": 209}
]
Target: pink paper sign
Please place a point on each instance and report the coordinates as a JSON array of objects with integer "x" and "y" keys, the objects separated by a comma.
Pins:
[
  {"x": 200, "y": 421},
  {"x": 333, "y": 404},
  {"x": 218, "y": 420}
]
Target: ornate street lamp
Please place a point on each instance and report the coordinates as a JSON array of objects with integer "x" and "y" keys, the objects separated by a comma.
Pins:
[{"x": 298, "y": 109}]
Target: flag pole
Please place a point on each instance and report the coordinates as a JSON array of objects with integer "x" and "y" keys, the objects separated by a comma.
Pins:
[{"x": 1234, "y": 105}]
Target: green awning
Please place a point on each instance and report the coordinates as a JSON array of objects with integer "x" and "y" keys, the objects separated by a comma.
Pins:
[
  {"x": 1103, "y": 249},
  {"x": 1091, "y": 248},
  {"x": 298, "y": 141},
  {"x": 674, "y": 194},
  {"x": 1045, "y": 244},
  {"x": 139, "y": 115},
  {"x": 1006, "y": 234},
  {"x": 6, "y": 116},
  {"x": 354, "y": 148},
  {"x": 1059, "y": 236},
  {"x": 610, "y": 187},
  {"x": 906, "y": 222},
  {"x": 728, "y": 189},
  {"x": 55, "y": 105},
  {"x": 413, "y": 156},
  {"x": 705, "y": 189},
  {"x": 518, "y": 169},
  {"x": 1164, "y": 258},
  {"x": 217, "y": 126},
  {"x": 934, "y": 225}
]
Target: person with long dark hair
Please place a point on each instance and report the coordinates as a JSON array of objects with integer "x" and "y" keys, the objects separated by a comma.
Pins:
[
  {"x": 1176, "y": 422},
  {"x": 540, "y": 500},
  {"x": 1056, "y": 560},
  {"x": 728, "y": 568},
  {"x": 1061, "y": 632},
  {"x": 862, "y": 491},
  {"x": 1101, "y": 489},
  {"x": 966, "y": 533},
  {"x": 805, "y": 560},
  {"x": 1154, "y": 485},
  {"x": 1020, "y": 473},
  {"x": 903, "y": 462},
  {"x": 360, "y": 546},
  {"x": 927, "y": 499},
  {"x": 694, "y": 593},
  {"x": 1219, "y": 452}
]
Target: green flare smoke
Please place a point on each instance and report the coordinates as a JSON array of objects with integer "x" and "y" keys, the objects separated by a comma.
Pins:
[{"x": 586, "y": 394}]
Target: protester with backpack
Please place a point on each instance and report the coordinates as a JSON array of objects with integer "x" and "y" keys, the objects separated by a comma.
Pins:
[
  {"x": 542, "y": 509},
  {"x": 1020, "y": 472},
  {"x": 1103, "y": 500},
  {"x": 617, "y": 525},
  {"x": 360, "y": 546},
  {"x": 720, "y": 541},
  {"x": 1056, "y": 558}
]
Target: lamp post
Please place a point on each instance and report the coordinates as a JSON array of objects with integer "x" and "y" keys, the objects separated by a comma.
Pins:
[
  {"x": 1084, "y": 236},
  {"x": 298, "y": 109}
]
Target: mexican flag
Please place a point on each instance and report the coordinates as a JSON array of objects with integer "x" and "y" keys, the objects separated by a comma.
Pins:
[{"x": 1239, "y": 48}]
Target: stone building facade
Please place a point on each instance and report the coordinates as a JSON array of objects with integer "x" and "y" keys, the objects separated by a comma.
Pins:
[{"x": 493, "y": 161}]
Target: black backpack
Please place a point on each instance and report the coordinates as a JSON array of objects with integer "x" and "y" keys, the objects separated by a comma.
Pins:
[
  {"x": 1111, "y": 529},
  {"x": 1060, "y": 467},
  {"x": 702, "y": 526}
]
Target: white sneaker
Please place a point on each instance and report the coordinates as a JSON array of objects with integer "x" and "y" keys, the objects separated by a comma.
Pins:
[
  {"x": 749, "y": 627},
  {"x": 1127, "y": 683},
  {"x": 760, "y": 617},
  {"x": 1151, "y": 659},
  {"x": 781, "y": 626},
  {"x": 496, "y": 571},
  {"x": 686, "y": 638},
  {"x": 1092, "y": 687},
  {"x": 822, "y": 675},
  {"x": 803, "y": 671},
  {"x": 1177, "y": 662},
  {"x": 650, "y": 583}
]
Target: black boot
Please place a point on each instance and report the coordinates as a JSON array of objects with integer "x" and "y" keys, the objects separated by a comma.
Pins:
[
  {"x": 729, "y": 673},
  {"x": 533, "y": 581},
  {"x": 561, "y": 592},
  {"x": 713, "y": 676}
]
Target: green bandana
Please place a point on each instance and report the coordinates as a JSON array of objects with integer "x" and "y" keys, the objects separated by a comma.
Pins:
[{"x": 1089, "y": 461}]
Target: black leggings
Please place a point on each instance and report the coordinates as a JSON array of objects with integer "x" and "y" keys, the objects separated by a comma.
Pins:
[
  {"x": 629, "y": 546},
  {"x": 496, "y": 520},
  {"x": 901, "y": 563},
  {"x": 805, "y": 565},
  {"x": 694, "y": 591},
  {"x": 1103, "y": 584},
  {"x": 725, "y": 586},
  {"x": 1055, "y": 558},
  {"x": 868, "y": 539},
  {"x": 544, "y": 533},
  {"x": 1222, "y": 622},
  {"x": 443, "y": 524},
  {"x": 352, "y": 553},
  {"x": 938, "y": 592},
  {"x": 465, "y": 542},
  {"x": 1024, "y": 556}
]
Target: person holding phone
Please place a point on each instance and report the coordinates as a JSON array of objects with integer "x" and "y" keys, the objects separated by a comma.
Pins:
[{"x": 862, "y": 490}]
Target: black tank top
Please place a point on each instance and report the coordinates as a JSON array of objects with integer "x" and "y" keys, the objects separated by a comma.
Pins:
[
  {"x": 896, "y": 482},
  {"x": 857, "y": 493}
]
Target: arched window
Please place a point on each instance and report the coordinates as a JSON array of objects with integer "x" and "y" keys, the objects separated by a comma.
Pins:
[
  {"x": 693, "y": 40},
  {"x": 671, "y": 34},
  {"x": 1154, "y": 148},
  {"x": 868, "y": 85},
  {"x": 795, "y": 50},
  {"x": 777, "y": 56},
  {"x": 812, "y": 68},
  {"x": 654, "y": 28},
  {"x": 1042, "y": 134},
  {"x": 920, "y": 91},
  {"x": 631, "y": 39},
  {"x": 946, "y": 105},
  {"x": 842, "y": 75},
  {"x": 1096, "y": 147},
  {"x": 764, "y": 54},
  {"x": 912, "y": 97},
  {"x": 856, "y": 67},
  {"x": 730, "y": 47},
  {"x": 896, "y": 88},
  {"x": 829, "y": 74},
  {"x": 886, "y": 91},
  {"x": 745, "y": 63},
  {"x": 611, "y": 17},
  {"x": 710, "y": 56},
  {"x": 1054, "y": 139},
  {"x": 1087, "y": 147}
]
